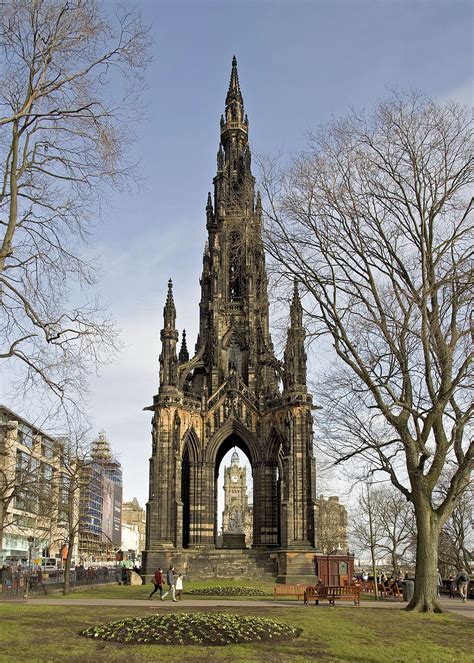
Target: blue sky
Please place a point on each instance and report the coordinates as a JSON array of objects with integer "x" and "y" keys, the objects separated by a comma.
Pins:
[{"x": 300, "y": 63}]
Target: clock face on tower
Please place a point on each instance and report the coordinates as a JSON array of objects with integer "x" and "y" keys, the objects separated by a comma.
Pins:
[{"x": 234, "y": 478}]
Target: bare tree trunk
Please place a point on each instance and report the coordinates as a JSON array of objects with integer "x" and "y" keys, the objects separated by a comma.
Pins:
[
  {"x": 67, "y": 567},
  {"x": 394, "y": 562},
  {"x": 426, "y": 575},
  {"x": 374, "y": 572},
  {"x": 373, "y": 542}
]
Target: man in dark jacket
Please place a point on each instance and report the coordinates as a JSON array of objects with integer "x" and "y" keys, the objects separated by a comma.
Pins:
[
  {"x": 463, "y": 583},
  {"x": 158, "y": 582},
  {"x": 170, "y": 582}
]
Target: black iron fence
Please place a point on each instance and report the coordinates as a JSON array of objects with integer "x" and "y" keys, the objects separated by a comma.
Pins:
[{"x": 20, "y": 583}]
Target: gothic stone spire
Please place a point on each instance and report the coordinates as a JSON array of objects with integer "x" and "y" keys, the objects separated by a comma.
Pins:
[
  {"x": 183, "y": 353},
  {"x": 169, "y": 338},
  {"x": 295, "y": 355},
  {"x": 234, "y": 101}
]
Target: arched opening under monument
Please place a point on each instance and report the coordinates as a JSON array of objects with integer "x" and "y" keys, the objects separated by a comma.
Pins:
[
  {"x": 185, "y": 497},
  {"x": 233, "y": 497}
]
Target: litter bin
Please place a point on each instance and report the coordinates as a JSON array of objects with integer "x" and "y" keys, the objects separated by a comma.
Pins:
[{"x": 408, "y": 590}]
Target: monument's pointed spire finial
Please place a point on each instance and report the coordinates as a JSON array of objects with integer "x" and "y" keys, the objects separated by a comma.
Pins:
[
  {"x": 169, "y": 312},
  {"x": 296, "y": 310},
  {"x": 234, "y": 93}
]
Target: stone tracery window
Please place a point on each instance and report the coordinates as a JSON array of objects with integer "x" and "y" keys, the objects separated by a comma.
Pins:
[
  {"x": 234, "y": 355},
  {"x": 235, "y": 267}
]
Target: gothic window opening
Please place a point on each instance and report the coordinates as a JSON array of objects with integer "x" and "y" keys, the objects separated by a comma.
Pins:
[
  {"x": 235, "y": 267},
  {"x": 234, "y": 356},
  {"x": 185, "y": 497}
]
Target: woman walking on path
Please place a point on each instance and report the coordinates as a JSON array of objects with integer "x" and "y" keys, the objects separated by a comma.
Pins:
[{"x": 158, "y": 582}]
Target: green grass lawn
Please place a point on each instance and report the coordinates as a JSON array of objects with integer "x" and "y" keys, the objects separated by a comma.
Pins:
[
  {"x": 114, "y": 591},
  {"x": 41, "y": 633}
]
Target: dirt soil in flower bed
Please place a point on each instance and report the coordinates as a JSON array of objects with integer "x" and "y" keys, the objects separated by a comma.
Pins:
[{"x": 193, "y": 629}]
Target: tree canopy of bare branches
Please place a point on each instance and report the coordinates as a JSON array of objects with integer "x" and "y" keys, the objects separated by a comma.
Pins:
[
  {"x": 384, "y": 524},
  {"x": 375, "y": 221},
  {"x": 456, "y": 542},
  {"x": 70, "y": 83}
]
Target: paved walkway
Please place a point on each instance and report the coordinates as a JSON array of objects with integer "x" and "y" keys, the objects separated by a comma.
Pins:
[{"x": 453, "y": 605}]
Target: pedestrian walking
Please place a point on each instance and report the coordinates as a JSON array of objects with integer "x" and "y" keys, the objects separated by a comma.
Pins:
[
  {"x": 179, "y": 586},
  {"x": 157, "y": 580},
  {"x": 170, "y": 583},
  {"x": 452, "y": 587},
  {"x": 440, "y": 584},
  {"x": 463, "y": 582}
]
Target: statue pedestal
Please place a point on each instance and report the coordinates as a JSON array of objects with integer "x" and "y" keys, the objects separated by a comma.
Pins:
[{"x": 233, "y": 540}]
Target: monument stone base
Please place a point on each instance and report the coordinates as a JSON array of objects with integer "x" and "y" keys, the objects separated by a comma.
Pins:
[
  {"x": 296, "y": 566},
  {"x": 233, "y": 540}
]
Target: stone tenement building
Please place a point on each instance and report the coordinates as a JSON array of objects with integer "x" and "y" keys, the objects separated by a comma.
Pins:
[
  {"x": 133, "y": 528},
  {"x": 331, "y": 521},
  {"x": 232, "y": 392},
  {"x": 237, "y": 520}
]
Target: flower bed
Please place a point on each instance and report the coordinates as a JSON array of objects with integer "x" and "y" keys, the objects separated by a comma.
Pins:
[
  {"x": 226, "y": 591},
  {"x": 193, "y": 629}
]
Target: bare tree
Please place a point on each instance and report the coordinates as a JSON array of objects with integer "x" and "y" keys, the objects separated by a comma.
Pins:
[
  {"x": 72, "y": 479},
  {"x": 374, "y": 220},
  {"x": 366, "y": 529},
  {"x": 395, "y": 517},
  {"x": 456, "y": 542},
  {"x": 70, "y": 83}
]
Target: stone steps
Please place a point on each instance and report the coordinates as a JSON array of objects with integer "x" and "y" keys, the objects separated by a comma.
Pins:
[{"x": 216, "y": 563}]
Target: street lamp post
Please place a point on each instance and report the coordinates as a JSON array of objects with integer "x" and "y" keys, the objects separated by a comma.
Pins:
[{"x": 31, "y": 540}]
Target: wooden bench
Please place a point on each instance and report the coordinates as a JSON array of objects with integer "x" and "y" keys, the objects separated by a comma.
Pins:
[
  {"x": 333, "y": 593},
  {"x": 393, "y": 590},
  {"x": 316, "y": 592},
  {"x": 288, "y": 590},
  {"x": 383, "y": 591}
]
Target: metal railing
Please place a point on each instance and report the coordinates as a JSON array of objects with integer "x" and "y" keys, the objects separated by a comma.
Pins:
[{"x": 19, "y": 584}]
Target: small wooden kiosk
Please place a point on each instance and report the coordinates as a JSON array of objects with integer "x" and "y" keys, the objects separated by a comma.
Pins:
[{"x": 336, "y": 568}]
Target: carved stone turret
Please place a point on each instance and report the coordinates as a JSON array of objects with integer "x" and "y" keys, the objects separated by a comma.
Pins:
[
  {"x": 295, "y": 355},
  {"x": 169, "y": 338}
]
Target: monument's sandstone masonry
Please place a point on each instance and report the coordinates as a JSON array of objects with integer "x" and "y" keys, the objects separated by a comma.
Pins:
[{"x": 232, "y": 392}]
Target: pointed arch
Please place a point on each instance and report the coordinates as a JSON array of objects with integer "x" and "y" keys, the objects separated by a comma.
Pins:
[
  {"x": 228, "y": 430},
  {"x": 275, "y": 444},
  {"x": 232, "y": 334},
  {"x": 192, "y": 446}
]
